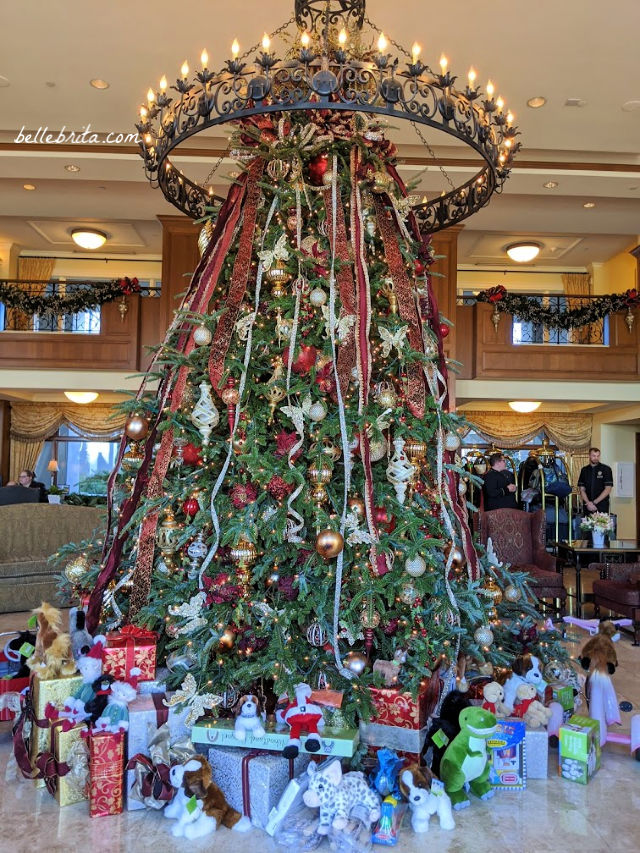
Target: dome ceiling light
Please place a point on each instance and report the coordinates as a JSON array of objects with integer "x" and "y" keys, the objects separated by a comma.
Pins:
[
  {"x": 524, "y": 251},
  {"x": 81, "y": 397},
  {"x": 88, "y": 238},
  {"x": 525, "y": 407}
]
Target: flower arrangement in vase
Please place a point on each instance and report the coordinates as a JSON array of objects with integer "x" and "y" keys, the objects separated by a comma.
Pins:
[{"x": 598, "y": 523}]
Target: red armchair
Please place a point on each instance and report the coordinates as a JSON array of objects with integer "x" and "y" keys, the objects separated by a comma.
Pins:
[
  {"x": 518, "y": 539},
  {"x": 618, "y": 590}
]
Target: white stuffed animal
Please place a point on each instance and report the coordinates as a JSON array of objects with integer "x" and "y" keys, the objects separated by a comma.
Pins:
[
  {"x": 248, "y": 712},
  {"x": 336, "y": 794},
  {"x": 191, "y": 822},
  {"x": 417, "y": 785},
  {"x": 526, "y": 669}
]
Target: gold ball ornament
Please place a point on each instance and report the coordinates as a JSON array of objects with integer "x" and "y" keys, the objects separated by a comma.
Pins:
[
  {"x": 244, "y": 553},
  {"x": 380, "y": 182},
  {"x": 329, "y": 543},
  {"x": 369, "y": 618},
  {"x": 408, "y": 593},
  {"x": 206, "y": 232},
  {"x": 229, "y": 396},
  {"x": 319, "y": 494},
  {"x": 512, "y": 594},
  {"x": 415, "y": 566},
  {"x": 483, "y": 635},
  {"x": 457, "y": 556},
  {"x": 202, "y": 336},
  {"x": 278, "y": 275},
  {"x": 278, "y": 169},
  {"x": 386, "y": 396},
  {"x": 378, "y": 449},
  {"x": 328, "y": 449},
  {"x": 76, "y": 570},
  {"x": 355, "y": 662},
  {"x": 357, "y": 505},
  {"x": 226, "y": 639},
  {"x": 327, "y": 178},
  {"x": 239, "y": 443},
  {"x": 319, "y": 472},
  {"x": 136, "y": 427},
  {"x": 491, "y": 614},
  {"x": 292, "y": 222},
  {"x": 492, "y": 591}
]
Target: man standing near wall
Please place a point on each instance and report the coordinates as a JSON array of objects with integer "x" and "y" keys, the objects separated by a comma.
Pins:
[
  {"x": 595, "y": 483},
  {"x": 499, "y": 488}
]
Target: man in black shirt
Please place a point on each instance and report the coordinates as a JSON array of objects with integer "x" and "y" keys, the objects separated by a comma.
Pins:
[
  {"x": 595, "y": 483},
  {"x": 499, "y": 488}
]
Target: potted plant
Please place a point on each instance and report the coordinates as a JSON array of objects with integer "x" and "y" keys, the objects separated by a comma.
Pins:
[
  {"x": 599, "y": 523},
  {"x": 55, "y": 494}
]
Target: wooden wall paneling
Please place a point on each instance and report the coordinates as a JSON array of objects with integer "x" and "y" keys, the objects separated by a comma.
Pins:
[
  {"x": 445, "y": 282},
  {"x": 466, "y": 340},
  {"x": 5, "y": 425},
  {"x": 180, "y": 258}
]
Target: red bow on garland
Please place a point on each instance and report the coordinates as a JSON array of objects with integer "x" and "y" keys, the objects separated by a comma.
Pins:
[
  {"x": 128, "y": 285},
  {"x": 495, "y": 294}
]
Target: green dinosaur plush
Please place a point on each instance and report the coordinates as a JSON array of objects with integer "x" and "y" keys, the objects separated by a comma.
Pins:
[{"x": 465, "y": 760}]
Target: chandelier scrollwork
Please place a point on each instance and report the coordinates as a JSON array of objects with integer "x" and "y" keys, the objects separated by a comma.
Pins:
[{"x": 324, "y": 73}]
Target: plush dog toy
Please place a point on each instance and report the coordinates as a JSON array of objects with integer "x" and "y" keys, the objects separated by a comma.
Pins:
[
  {"x": 81, "y": 639},
  {"x": 465, "y": 761},
  {"x": 525, "y": 668},
  {"x": 528, "y": 708},
  {"x": 426, "y": 797},
  {"x": 336, "y": 794},
  {"x": 248, "y": 712},
  {"x": 302, "y": 716},
  {"x": 194, "y": 784},
  {"x": 493, "y": 694},
  {"x": 599, "y": 653},
  {"x": 52, "y": 657}
]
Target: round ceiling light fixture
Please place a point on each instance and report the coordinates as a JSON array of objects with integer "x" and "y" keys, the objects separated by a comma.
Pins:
[
  {"x": 28, "y": 187},
  {"x": 97, "y": 83},
  {"x": 71, "y": 167},
  {"x": 524, "y": 406},
  {"x": 537, "y": 102},
  {"x": 88, "y": 238},
  {"x": 550, "y": 185},
  {"x": 589, "y": 204},
  {"x": 524, "y": 251},
  {"x": 81, "y": 397}
]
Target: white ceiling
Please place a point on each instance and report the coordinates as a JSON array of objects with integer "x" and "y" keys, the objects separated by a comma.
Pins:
[{"x": 574, "y": 49}]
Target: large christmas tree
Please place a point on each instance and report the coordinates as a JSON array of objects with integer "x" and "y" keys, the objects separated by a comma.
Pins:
[{"x": 287, "y": 505}]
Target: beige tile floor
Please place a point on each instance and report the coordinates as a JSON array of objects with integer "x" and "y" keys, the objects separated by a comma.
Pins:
[{"x": 551, "y": 815}]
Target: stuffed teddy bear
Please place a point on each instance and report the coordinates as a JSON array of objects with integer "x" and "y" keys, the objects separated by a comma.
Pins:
[
  {"x": 426, "y": 796},
  {"x": 193, "y": 782},
  {"x": 336, "y": 794},
  {"x": 248, "y": 713},
  {"x": 447, "y": 724},
  {"x": 528, "y": 708},
  {"x": 525, "y": 668},
  {"x": 52, "y": 657},
  {"x": 465, "y": 762},
  {"x": 115, "y": 717},
  {"x": 302, "y": 716},
  {"x": 493, "y": 695}
]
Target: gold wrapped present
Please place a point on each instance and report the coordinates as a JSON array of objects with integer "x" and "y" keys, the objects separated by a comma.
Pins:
[
  {"x": 47, "y": 692},
  {"x": 70, "y": 750}
]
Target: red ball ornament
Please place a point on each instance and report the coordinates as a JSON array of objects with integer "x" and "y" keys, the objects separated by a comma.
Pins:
[
  {"x": 418, "y": 267},
  {"x": 444, "y": 330},
  {"x": 317, "y": 167},
  {"x": 190, "y": 507},
  {"x": 191, "y": 454},
  {"x": 304, "y": 362},
  {"x": 380, "y": 515}
]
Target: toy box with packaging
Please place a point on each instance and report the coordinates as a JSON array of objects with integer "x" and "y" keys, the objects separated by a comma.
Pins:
[
  {"x": 507, "y": 756},
  {"x": 579, "y": 757}
]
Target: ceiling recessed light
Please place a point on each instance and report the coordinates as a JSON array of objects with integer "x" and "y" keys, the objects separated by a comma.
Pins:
[
  {"x": 50, "y": 84},
  {"x": 28, "y": 187},
  {"x": 524, "y": 251},
  {"x": 630, "y": 106},
  {"x": 4, "y": 82},
  {"x": 575, "y": 102},
  {"x": 97, "y": 83},
  {"x": 88, "y": 238},
  {"x": 537, "y": 102},
  {"x": 550, "y": 185},
  {"x": 81, "y": 397},
  {"x": 589, "y": 204},
  {"x": 633, "y": 188},
  {"x": 71, "y": 168},
  {"x": 524, "y": 406}
]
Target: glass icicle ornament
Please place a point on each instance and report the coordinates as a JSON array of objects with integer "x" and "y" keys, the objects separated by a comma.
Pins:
[
  {"x": 205, "y": 417},
  {"x": 399, "y": 470}
]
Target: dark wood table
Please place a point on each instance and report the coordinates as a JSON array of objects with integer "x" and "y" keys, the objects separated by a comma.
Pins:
[{"x": 580, "y": 553}]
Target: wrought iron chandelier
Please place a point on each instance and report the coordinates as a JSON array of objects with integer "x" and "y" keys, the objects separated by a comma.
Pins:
[{"x": 330, "y": 69}]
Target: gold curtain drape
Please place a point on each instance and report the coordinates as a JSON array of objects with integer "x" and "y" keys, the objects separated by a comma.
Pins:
[
  {"x": 579, "y": 284},
  {"x": 33, "y": 423},
  {"x": 34, "y": 270},
  {"x": 570, "y": 432}
]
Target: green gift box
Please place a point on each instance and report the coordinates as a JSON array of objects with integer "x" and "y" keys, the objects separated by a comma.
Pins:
[
  {"x": 340, "y": 742},
  {"x": 579, "y": 749},
  {"x": 563, "y": 694}
]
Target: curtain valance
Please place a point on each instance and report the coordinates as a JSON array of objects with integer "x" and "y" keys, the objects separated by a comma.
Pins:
[
  {"x": 39, "y": 421},
  {"x": 570, "y": 432}
]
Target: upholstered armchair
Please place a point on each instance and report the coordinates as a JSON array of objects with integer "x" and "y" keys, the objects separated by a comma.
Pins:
[
  {"x": 518, "y": 539},
  {"x": 618, "y": 590}
]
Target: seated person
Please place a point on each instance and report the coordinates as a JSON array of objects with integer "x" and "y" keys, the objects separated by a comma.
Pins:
[{"x": 27, "y": 479}]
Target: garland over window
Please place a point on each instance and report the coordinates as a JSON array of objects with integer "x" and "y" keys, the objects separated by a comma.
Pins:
[
  {"x": 528, "y": 308},
  {"x": 83, "y": 297}
]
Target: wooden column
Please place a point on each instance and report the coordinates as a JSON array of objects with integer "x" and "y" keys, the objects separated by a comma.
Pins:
[
  {"x": 5, "y": 423},
  {"x": 179, "y": 259},
  {"x": 445, "y": 285}
]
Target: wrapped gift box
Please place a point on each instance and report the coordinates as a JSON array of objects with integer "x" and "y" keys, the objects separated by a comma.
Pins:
[
  {"x": 44, "y": 692},
  {"x": 341, "y": 742},
  {"x": 393, "y": 737},
  {"x": 130, "y": 647},
  {"x": 106, "y": 773},
  {"x": 251, "y": 780},
  {"x": 506, "y": 749},
  {"x": 409, "y": 757},
  {"x": 579, "y": 755},
  {"x": 146, "y": 715},
  {"x": 157, "y": 685},
  {"x": 10, "y": 690},
  {"x": 393, "y": 707},
  {"x": 69, "y": 749},
  {"x": 537, "y": 752}
]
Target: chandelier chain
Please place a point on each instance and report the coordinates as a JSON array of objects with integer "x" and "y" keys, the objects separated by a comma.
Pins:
[
  {"x": 214, "y": 168},
  {"x": 272, "y": 35},
  {"x": 432, "y": 154},
  {"x": 376, "y": 28}
]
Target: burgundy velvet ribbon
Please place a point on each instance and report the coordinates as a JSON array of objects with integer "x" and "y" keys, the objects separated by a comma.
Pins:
[
  {"x": 20, "y": 743},
  {"x": 50, "y": 769},
  {"x": 155, "y": 782},
  {"x": 246, "y": 760}
]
